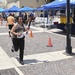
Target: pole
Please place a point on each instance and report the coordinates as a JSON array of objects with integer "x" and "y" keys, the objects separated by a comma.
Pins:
[
  {"x": 68, "y": 30},
  {"x": 44, "y": 15}
]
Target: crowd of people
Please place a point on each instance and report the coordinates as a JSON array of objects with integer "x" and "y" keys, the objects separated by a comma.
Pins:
[{"x": 26, "y": 16}]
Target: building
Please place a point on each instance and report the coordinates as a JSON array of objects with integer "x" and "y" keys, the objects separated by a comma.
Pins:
[
  {"x": 2, "y": 3},
  {"x": 22, "y": 3}
]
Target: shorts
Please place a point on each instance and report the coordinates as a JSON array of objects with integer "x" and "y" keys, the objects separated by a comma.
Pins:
[{"x": 10, "y": 26}]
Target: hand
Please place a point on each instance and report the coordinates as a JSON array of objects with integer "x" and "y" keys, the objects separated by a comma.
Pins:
[
  {"x": 19, "y": 34},
  {"x": 28, "y": 28},
  {"x": 27, "y": 32}
]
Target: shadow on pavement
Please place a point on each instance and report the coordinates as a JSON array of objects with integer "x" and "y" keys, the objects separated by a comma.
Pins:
[
  {"x": 32, "y": 61},
  {"x": 67, "y": 54},
  {"x": 64, "y": 33}
]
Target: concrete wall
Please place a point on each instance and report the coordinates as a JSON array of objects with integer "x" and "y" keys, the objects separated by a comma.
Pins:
[
  {"x": 31, "y": 3},
  {"x": 16, "y": 4}
]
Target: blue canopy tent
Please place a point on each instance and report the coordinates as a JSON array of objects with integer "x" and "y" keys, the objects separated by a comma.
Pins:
[
  {"x": 53, "y": 5},
  {"x": 40, "y": 8},
  {"x": 26, "y": 9},
  {"x": 13, "y": 9},
  {"x": 58, "y": 4},
  {"x": 1, "y": 10},
  {"x": 6, "y": 10},
  {"x": 61, "y": 4}
]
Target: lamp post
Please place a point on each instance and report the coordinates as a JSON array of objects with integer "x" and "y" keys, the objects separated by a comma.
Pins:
[
  {"x": 46, "y": 1},
  {"x": 68, "y": 30}
]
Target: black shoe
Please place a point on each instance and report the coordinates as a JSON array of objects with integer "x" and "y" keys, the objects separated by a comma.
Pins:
[
  {"x": 9, "y": 35},
  {"x": 21, "y": 62},
  {"x": 12, "y": 49}
]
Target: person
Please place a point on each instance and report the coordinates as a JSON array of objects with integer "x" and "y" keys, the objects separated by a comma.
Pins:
[
  {"x": 25, "y": 18},
  {"x": 74, "y": 18},
  {"x": 50, "y": 14},
  {"x": 33, "y": 19},
  {"x": 1, "y": 20},
  {"x": 30, "y": 19},
  {"x": 21, "y": 14},
  {"x": 10, "y": 22},
  {"x": 18, "y": 36},
  {"x": 41, "y": 15},
  {"x": 4, "y": 16}
]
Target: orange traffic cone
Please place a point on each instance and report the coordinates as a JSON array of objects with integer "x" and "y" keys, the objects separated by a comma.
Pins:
[
  {"x": 31, "y": 35},
  {"x": 49, "y": 43}
]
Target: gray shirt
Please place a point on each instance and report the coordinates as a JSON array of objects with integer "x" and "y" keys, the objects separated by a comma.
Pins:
[{"x": 20, "y": 29}]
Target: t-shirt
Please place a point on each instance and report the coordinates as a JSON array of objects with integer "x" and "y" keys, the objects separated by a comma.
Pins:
[
  {"x": 20, "y": 29},
  {"x": 31, "y": 15}
]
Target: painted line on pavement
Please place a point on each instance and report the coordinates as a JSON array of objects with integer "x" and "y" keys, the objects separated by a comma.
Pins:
[
  {"x": 58, "y": 34},
  {"x": 42, "y": 30},
  {"x": 3, "y": 33},
  {"x": 6, "y": 62},
  {"x": 51, "y": 31},
  {"x": 3, "y": 27},
  {"x": 28, "y": 32}
]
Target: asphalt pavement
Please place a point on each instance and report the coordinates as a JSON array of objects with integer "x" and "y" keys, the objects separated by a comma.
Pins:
[{"x": 38, "y": 58}]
